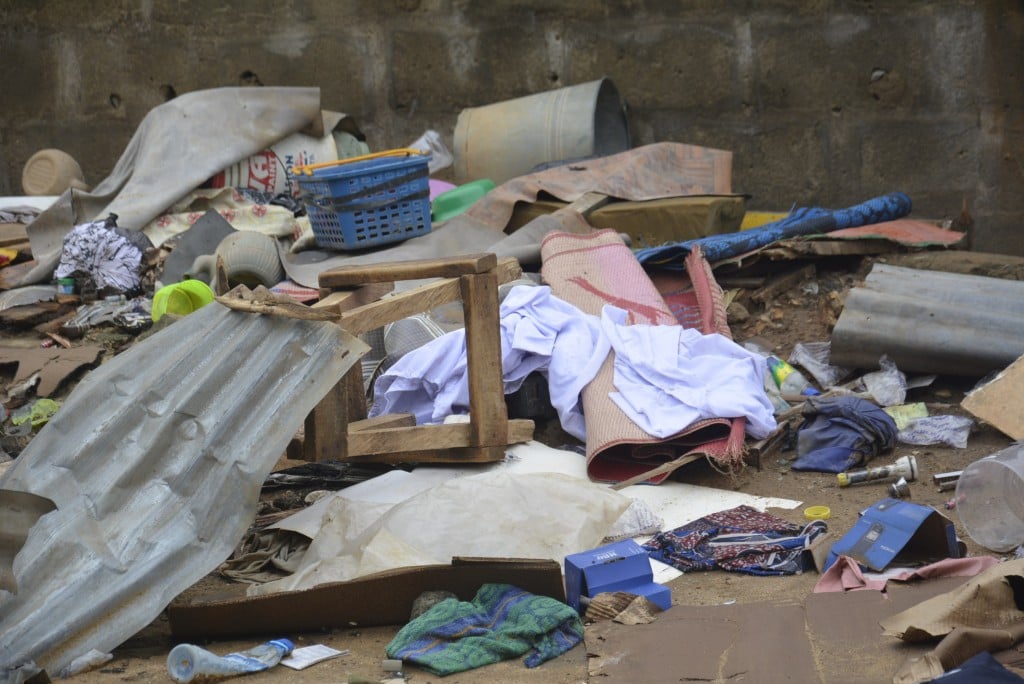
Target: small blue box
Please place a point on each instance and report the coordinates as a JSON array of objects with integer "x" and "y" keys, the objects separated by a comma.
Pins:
[
  {"x": 895, "y": 532},
  {"x": 622, "y": 566}
]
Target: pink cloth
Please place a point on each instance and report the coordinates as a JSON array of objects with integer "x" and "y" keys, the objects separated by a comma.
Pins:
[
  {"x": 846, "y": 575},
  {"x": 438, "y": 187}
]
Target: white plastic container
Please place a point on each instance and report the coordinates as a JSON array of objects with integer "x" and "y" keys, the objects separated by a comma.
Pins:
[
  {"x": 990, "y": 499},
  {"x": 186, "y": 662}
]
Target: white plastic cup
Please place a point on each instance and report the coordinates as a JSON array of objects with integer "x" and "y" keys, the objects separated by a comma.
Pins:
[{"x": 990, "y": 499}]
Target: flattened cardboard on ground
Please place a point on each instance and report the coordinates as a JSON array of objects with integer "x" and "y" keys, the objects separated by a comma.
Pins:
[
  {"x": 755, "y": 642},
  {"x": 381, "y": 599},
  {"x": 1000, "y": 402},
  {"x": 834, "y": 638},
  {"x": 54, "y": 365},
  {"x": 853, "y": 649}
]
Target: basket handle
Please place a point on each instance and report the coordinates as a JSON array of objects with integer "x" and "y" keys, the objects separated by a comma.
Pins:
[{"x": 308, "y": 169}]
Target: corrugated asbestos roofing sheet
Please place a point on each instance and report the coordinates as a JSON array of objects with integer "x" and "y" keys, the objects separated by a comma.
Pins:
[
  {"x": 931, "y": 322},
  {"x": 155, "y": 462}
]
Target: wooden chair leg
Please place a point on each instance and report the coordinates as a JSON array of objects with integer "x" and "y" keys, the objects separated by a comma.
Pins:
[
  {"x": 327, "y": 426},
  {"x": 487, "y": 410}
]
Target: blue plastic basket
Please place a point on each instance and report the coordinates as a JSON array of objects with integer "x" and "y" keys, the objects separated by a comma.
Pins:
[{"x": 367, "y": 201}]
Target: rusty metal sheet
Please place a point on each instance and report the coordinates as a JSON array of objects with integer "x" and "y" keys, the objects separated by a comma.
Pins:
[
  {"x": 155, "y": 462},
  {"x": 931, "y": 322}
]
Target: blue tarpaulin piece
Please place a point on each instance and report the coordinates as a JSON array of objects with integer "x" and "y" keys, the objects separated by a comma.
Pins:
[{"x": 802, "y": 221}]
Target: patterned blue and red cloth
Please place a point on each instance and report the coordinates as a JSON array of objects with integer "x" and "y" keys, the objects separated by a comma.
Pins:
[{"x": 741, "y": 539}]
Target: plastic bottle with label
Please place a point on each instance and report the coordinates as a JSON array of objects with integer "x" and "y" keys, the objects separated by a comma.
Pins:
[
  {"x": 187, "y": 662},
  {"x": 789, "y": 380}
]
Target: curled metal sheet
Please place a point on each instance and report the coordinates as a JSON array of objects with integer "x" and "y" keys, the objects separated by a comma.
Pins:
[
  {"x": 931, "y": 322},
  {"x": 155, "y": 463}
]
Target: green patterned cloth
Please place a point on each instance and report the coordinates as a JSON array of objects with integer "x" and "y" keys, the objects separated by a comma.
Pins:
[{"x": 501, "y": 622}]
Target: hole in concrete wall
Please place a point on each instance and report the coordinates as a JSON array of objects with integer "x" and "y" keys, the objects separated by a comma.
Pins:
[
  {"x": 249, "y": 78},
  {"x": 553, "y": 77},
  {"x": 168, "y": 92},
  {"x": 115, "y": 100}
]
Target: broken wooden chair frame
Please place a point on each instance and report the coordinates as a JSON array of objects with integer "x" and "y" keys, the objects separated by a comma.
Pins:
[{"x": 338, "y": 428}]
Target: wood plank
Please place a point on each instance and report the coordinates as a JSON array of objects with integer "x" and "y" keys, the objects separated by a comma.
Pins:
[
  {"x": 404, "y": 304},
  {"x": 460, "y": 455},
  {"x": 326, "y": 435},
  {"x": 659, "y": 470},
  {"x": 487, "y": 411},
  {"x": 426, "y": 438},
  {"x": 10, "y": 276},
  {"x": 391, "y": 420},
  {"x": 588, "y": 202},
  {"x": 405, "y": 439},
  {"x": 12, "y": 234},
  {"x": 346, "y": 300},
  {"x": 424, "y": 298},
  {"x": 783, "y": 283},
  {"x": 413, "y": 269}
]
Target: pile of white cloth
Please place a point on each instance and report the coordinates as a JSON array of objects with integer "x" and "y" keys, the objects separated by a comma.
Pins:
[{"x": 666, "y": 377}]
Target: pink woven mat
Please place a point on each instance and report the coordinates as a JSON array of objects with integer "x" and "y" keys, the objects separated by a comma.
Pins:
[{"x": 593, "y": 269}]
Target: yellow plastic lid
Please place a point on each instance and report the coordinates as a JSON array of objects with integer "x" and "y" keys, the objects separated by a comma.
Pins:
[{"x": 817, "y": 513}]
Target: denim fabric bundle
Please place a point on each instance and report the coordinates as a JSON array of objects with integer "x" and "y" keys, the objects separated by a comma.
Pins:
[{"x": 839, "y": 433}]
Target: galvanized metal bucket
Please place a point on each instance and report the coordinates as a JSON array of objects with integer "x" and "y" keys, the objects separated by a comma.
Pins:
[{"x": 508, "y": 139}]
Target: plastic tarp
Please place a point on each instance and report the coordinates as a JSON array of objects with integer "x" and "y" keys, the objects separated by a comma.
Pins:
[
  {"x": 155, "y": 463},
  {"x": 176, "y": 148}
]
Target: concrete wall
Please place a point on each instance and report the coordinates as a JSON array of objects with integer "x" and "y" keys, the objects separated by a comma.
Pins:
[{"x": 823, "y": 103}]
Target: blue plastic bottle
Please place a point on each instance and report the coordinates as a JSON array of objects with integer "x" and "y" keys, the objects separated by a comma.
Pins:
[{"x": 187, "y": 662}]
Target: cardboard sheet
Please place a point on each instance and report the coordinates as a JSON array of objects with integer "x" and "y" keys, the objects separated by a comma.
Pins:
[
  {"x": 832, "y": 639},
  {"x": 756, "y": 642},
  {"x": 1000, "y": 402},
  {"x": 54, "y": 365},
  {"x": 381, "y": 599}
]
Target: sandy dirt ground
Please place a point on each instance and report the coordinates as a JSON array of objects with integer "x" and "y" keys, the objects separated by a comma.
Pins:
[{"x": 802, "y": 314}]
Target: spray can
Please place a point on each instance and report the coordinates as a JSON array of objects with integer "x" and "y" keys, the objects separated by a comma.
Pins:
[
  {"x": 905, "y": 467},
  {"x": 187, "y": 662}
]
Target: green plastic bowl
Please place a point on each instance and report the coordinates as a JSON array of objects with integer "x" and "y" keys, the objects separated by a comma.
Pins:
[
  {"x": 452, "y": 203},
  {"x": 181, "y": 298}
]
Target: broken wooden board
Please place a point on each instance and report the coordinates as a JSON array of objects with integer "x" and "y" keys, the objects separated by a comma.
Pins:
[
  {"x": 53, "y": 365},
  {"x": 1000, "y": 402},
  {"x": 28, "y": 315},
  {"x": 414, "y": 269}
]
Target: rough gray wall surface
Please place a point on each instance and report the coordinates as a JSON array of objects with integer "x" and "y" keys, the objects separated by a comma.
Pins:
[{"x": 823, "y": 103}]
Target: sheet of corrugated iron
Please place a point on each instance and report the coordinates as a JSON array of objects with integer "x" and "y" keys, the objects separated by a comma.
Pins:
[
  {"x": 931, "y": 322},
  {"x": 155, "y": 462}
]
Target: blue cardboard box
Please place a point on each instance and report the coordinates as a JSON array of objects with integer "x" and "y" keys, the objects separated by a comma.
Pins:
[
  {"x": 897, "y": 532},
  {"x": 622, "y": 566}
]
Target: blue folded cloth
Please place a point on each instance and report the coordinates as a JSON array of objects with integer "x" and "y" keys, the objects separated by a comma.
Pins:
[{"x": 839, "y": 433}]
